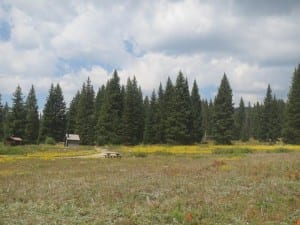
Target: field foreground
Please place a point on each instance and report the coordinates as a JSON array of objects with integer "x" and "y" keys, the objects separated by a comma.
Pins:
[{"x": 157, "y": 189}]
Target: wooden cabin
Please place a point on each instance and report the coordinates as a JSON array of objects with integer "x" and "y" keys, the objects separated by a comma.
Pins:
[
  {"x": 72, "y": 140},
  {"x": 13, "y": 140}
]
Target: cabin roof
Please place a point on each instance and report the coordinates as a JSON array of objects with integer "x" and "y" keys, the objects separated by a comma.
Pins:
[
  {"x": 72, "y": 137},
  {"x": 13, "y": 138}
]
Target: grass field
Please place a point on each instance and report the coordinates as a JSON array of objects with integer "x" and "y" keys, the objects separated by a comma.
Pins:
[{"x": 216, "y": 187}]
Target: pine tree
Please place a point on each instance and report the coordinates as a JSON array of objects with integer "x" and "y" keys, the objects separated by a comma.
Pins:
[
  {"x": 72, "y": 115},
  {"x": 54, "y": 115},
  {"x": 281, "y": 108},
  {"x": 151, "y": 123},
  {"x": 99, "y": 102},
  {"x": 291, "y": 132},
  {"x": 160, "y": 115},
  {"x": 239, "y": 120},
  {"x": 207, "y": 121},
  {"x": 1, "y": 120},
  {"x": 246, "y": 127},
  {"x": 32, "y": 118},
  {"x": 109, "y": 123},
  {"x": 265, "y": 121},
  {"x": 269, "y": 127},
  {"x": 183, "y": 112},
  {"x": 85, "y": 114},
  {"x": 18, "y": 114},
  {"x": 197, "y": 129},
  {"x": 277, "y": 126},
  {"x": 169, "y": 116},
  {"x": 255, "y": 118},
  {"x": 204, "y": 108},
  {"x": 223, "y": 113},
  {"x": 147, "y": 139},
  {"x": 6, "y": 121},
  {"x": 133, "y": 114}
]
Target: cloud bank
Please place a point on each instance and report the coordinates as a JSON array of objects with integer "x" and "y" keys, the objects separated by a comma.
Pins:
[{"x": 254, "y": 42}]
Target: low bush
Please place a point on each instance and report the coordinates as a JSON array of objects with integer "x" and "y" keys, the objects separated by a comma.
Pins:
[
  {"x": 232, "y": 151},
  {"x": 139, "y": 154},
  {"x": 50, "y": 141},
  {"x": 279, "y": 150}
]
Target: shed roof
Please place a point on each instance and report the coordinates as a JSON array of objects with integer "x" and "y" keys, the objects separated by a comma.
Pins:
[
  {"x": 13, "y": 138},
  {"x": 72, "y": 137}
]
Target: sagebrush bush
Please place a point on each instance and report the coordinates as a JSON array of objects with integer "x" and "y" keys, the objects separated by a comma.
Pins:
[
  {"x": 50, "y": 141},
  {"x": 232, "y": 151}
]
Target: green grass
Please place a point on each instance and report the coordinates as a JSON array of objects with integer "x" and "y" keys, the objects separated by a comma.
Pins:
[
  {"x": 29, "y": 149},
  {"x": 233, "y": 150},
  {"x": 24, "y": 149},
  {"x": 158, "y": 189}
]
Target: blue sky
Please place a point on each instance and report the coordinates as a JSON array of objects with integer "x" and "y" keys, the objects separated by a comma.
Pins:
[{"x": 255, "y": 43}]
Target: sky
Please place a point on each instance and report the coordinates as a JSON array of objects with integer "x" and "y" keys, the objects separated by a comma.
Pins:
[{"x": 255, "y": 42}]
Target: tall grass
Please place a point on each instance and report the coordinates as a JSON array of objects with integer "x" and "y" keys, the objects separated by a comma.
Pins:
[{"x": 157, "y": 189}]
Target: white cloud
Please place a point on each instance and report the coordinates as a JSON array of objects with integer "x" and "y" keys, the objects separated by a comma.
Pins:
[{"x": 65, "y": 42}]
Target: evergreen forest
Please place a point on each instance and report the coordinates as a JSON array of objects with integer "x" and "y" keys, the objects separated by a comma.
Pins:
[{"x": 173, "y": 114}]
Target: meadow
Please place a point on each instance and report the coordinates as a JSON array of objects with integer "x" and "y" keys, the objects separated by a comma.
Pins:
[{"x": 204, "y": 184}]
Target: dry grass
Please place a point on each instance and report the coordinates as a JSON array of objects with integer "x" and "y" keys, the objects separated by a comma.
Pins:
[
  {"x": 157, "y": 189},
  {"x": 205, "y": 149}
]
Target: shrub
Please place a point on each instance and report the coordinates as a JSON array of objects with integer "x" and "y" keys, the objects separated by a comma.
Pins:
[
  {"x": 279, "y": 150},
  {"x": 139, "y": 154},
  {"x": 50, "y": 141},
  {"x": 232, "y": 151}
]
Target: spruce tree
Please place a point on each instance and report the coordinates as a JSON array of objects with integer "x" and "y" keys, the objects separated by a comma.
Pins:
[
  {"x": 85, "y": 114},
  {"x": 133, "y": 114},
  {"x": 246, "y": 127},
  {"x": 18, "y": 114},
  {"x": 197, "y": 128},
  {"x": 109, "y": 123},
  {"x": 169, "y": 115},
  {"x": 183, "y": 112},
  {"x": 32, "y": 118},
  {"x": 72, "y": 114},
  {"x": 1, "y": 120},
  {"x": 151, "y": 122},
  {"x": 160, "y": 115},
  {"x": 204, "y": 108},
  {"x": 291, "y": 132},
  {"x": 207, "y": 121},
  {"x": 239, "y": 120},
  {"x": 60, "y": 116},
  {"x": 255, "y": 119},
  {"x": 269, "y": 127},
  {"x": 54, "y": 115},
  {"x": 99, "y": 102},
  {"x": 223, "y": 113},
  {"x": 6, "y": 121}
]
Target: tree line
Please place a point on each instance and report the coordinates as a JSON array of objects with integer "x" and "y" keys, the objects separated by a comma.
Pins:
[{"x": 120, "y": 114}]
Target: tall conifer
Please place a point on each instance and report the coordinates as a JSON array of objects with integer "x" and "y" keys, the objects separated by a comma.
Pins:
[
  {"x": 269, "y": 127},
  {"x": 72, "y": 114},
  {"x": 151, "y": 122},
  {"x": 1, "y": 120},
  {"x": 239, "y": 120},
  {"x": 169, "y": 116},
  {"x": 85, "y": 114},
  {"x": 223, "y": 113},
  {"x": 292, "y": 118},
  {"x": 18, "y": 114},
  {"x": 32, "y": 117},
  {"x": 109, "y": 122},
  {"x": 197, "y": 128},
  {"x": 133, "y": 114},
  {"x": 54, "y": 115}
]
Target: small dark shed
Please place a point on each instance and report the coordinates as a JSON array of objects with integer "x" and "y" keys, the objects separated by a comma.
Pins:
[
  {"x": 12, "y": 140},
  {"x": 72, "y": 140}
]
